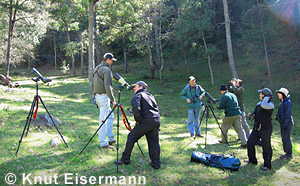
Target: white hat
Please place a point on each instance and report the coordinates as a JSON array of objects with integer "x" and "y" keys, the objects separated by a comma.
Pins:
[
  {"x": 191, "y": 78},
  {"x": 283, "y": 91},
  {"x": 110, "y": 56}
]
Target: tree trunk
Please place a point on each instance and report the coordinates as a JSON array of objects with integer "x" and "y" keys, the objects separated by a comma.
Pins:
[
  {"x": 125, "y": 56},
  {"x": 150, "y": 57},
  {"x": 98, "y": 51},
  {"x": 157, "y": 43},
  {"x": 228, "y": 40},
  {"x": 264, "y": 39},
  {"x": 55, "y": 52},
  {"x": 71, "y": 52},
  {"x": 81, "y": 55},
  {"x": 29, "y": 62},
  {"x": 91, "y": 44},
  {"x": 12, "y": 20},
  {"x": 183, "y": 50},
  {"x": 208, "y": 60},
  {"x": 161, "y": 56}
]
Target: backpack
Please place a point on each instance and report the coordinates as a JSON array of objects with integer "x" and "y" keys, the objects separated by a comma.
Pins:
[
  {"x": 225, "y": 162},
  {"x": 93, "y": 99}
]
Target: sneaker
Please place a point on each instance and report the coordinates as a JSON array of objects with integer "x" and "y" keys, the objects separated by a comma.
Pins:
[
  {"x": 120, "y": 162},
  {"x": 112, "y": 142},
  {"x": 286, "y": 156},
  {"x": 107, "y": 147},
  {"x": 263, "y": 168}
]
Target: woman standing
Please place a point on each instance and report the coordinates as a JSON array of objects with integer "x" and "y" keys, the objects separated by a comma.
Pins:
[{"x": 284, "y": 116}]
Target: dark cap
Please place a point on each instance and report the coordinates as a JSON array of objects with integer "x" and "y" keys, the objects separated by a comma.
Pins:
[
  {"x": 109, "y": 56},
  {"x": 266, "y": 91},
  {"x": 141, "y": 83},
  {"x": 223, "y": 87}
]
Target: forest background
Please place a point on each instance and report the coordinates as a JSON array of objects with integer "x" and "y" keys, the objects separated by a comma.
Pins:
[{"x": 159, "y": 41}]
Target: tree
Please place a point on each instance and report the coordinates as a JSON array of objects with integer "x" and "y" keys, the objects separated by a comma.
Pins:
[{"x": 228, "y": 40}]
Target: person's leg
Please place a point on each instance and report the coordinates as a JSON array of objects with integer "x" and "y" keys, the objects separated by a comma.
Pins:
[
  {"x": 266, "y": 147},
  {"x": 103, "y": 104},
  {"x": 226, "y": 124},
  {"x": 110, "y": 134},
  {"x": 190, "y": 122},
  {"x": 286, "y": 140},
  {"x": 238, "y": 129},
  {"x": 253, "y": 138},
  {"x": 196, "y": 121},
  {"x": 153, "y": 146},
  {"x": 245, "y": 125}
]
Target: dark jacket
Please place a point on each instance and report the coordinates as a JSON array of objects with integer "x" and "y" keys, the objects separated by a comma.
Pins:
[
  {"x": 239, "y": 92},
  {"x": 284, "y": 114},
  {"x": 263, "y": 115},
  {"x": 144, "y": 106},
  {"x": 230, "y": 104}
]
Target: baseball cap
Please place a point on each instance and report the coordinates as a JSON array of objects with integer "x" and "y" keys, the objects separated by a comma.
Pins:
[
  {"x": 110, "y": 56},
  {"x": 266, "y": 91},
  {"x": 141, "y": 83}
]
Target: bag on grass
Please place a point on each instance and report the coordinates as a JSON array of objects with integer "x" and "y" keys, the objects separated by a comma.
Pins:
[{"x": 225, "y": 162}]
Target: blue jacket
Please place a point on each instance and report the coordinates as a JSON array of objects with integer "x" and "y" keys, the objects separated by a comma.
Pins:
[
  {"x": 193, "y": 94},
  {"x": 284, "y": 114}
]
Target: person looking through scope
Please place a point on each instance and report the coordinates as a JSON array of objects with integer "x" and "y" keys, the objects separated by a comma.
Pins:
[
  {"x": 147, "y": 117},
  {"x": 104, "y": 95},
  {"x": 232, "y": 116},
  {"x": 193, "y": 95}
]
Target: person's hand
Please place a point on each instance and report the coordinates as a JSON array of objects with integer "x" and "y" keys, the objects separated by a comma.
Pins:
[
  {"x": 188, "y": 100},
  {"x": 200, "y": 98},
  {"x": 114, "y": 104},
  {"x": 249, "y": 114}
]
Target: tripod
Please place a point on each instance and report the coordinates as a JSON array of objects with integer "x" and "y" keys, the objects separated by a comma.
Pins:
[
  {"x": 119, "y": 106},
  {"x": 207, "y": 108},
  {"x": 35, "y": 102}
]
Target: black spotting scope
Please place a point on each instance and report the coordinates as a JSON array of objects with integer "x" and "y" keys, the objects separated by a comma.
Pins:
[
  {"x": 40, "y": 76},
  {"x": 123, "y": 82},
  {"x": 210, "y": 97}
]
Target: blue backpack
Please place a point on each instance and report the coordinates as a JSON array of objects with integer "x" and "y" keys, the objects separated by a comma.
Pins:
[{"x": 225, "y": 162}]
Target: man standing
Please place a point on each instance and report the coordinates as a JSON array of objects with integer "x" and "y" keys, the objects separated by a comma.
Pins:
[
  {"x": 104, "y": 95},
  {"x": 193, "y": 95},
  {"x": 232, "y": 116},
  {"x": 147, "y": 117},
  {"x": 236, "y": 86},
  {"x": 262, "y": 129}
]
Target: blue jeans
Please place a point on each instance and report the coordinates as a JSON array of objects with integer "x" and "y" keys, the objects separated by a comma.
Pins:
[
  {"x": 193, "y": 120},
  {"x": 103, "y": 103}
]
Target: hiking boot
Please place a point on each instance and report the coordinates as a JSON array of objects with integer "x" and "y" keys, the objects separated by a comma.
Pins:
[
  {"x": 120, "y": 162},
  {"x": 192, "y": 135},
  {"x": 250, "y": 162},
  {"x": 199, "y": 135},
  {"x": 243, "y": 146},
  {"x": 220, "y": 141},
  {"x": 286, "y": 156},
  {"x": 263, "y": 168},
  {"x": 154, "y": 166}
]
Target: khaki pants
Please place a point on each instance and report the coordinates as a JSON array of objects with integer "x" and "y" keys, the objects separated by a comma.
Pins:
[{"x": 234, "y": 121}]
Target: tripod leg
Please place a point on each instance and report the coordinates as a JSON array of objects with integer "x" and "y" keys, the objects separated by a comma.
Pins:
[
  {"x": 27, "y": 122},
  {"x": 218, "y": 124},
  {"x": 200, "y": 121},
  {"x": 53, "y": 121},
  {"x": 206, "y": 121},
  {"x": 97, "y": 130}
]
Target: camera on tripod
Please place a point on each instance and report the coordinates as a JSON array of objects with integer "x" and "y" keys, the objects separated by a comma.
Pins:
[{"x": 211, "y": 98}]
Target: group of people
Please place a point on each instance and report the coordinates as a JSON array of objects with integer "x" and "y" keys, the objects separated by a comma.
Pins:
[
  {"x": 232, "y": 101},
  {"x": 147, "y": 116}
]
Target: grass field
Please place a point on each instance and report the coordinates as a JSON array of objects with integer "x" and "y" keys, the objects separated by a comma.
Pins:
[{"x": 67, "y": 99}]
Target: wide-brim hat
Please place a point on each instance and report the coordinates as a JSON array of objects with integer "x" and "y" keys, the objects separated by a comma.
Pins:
[{"x": 283, "y": 91}]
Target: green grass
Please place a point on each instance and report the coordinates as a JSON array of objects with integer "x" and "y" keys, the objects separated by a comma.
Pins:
[{"x": 67, "y": 99}]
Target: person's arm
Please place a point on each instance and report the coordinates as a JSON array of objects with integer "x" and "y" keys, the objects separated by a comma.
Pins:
[
  {"x": 266, "y": 104},
  {"x": 109, "y": 89},
  {"x": 183, "y": 95},
  {"x": 222, "y": 104},
  {"x": 136, "y": 108},
  {"x": 287, "y": 114}
]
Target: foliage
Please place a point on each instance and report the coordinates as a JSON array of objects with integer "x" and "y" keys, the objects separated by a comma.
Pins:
[{"x": 65, "y": 69}]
